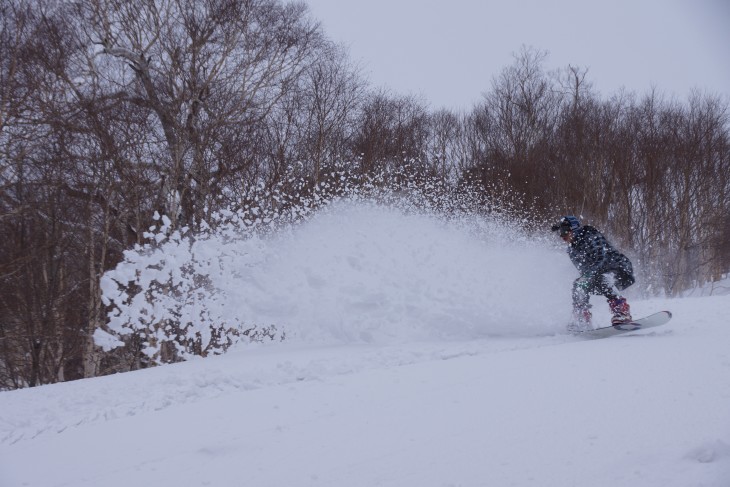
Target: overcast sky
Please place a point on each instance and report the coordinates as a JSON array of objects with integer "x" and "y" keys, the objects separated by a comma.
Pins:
[{"x": 450, "y": 50}]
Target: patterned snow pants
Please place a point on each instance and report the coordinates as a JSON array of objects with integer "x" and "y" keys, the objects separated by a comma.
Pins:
[{"x": 584, "y": 286}]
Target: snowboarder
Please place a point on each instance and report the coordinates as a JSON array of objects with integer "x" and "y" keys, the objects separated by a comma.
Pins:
[{"x": 594, "y": 257}]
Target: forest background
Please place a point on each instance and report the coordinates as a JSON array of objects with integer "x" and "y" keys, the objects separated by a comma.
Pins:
[{"x": 114, "y": 112}]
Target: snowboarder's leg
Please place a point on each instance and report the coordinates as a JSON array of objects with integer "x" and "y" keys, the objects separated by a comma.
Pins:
[
  {"x": 624, "y": 279},
  {"x": 624, "y": 274},
  {"x": 620, "y": 309},
  {"x": 581, "y": 304}
]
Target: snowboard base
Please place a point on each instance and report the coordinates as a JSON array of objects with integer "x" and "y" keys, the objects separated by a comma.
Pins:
[{"x": 656, "y": 319}]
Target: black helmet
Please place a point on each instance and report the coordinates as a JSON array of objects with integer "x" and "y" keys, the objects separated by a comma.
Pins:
[{"x": 566, "y": 224}]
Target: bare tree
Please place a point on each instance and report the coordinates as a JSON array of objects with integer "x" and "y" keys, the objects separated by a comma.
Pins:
[
  {"x": 392, "y": 131},
  {"x": 37, "y": 282},
  {"x": 314, "y": 122},
  {"x": 447, "y": 149},
  {"x": 334, "y": 92},
  {"x": 209, "y": 73}
]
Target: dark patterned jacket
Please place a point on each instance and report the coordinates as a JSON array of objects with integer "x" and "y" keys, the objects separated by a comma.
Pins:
[{"x": 592, "y": 255}]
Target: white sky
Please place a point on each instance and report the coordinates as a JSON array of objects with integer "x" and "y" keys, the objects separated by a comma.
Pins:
[{"x": 450, "y": 50}]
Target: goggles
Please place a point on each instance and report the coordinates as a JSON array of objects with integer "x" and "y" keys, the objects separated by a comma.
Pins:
[{"x": 563, "y": 229}]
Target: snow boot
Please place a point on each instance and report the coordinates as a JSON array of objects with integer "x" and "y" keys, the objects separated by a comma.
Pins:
[{"x": 621, "y": 311}]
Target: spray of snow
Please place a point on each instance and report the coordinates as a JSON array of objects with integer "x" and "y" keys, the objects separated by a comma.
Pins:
[
  {"x": 367, "y": 272},
  {"x": 357, "y": 270}
]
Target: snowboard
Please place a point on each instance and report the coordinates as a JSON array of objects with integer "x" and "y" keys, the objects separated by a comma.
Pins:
[{"x": 657, "y": 319}]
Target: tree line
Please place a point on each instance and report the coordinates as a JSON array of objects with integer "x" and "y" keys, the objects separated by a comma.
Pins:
[{"x": 115, "y": 111}]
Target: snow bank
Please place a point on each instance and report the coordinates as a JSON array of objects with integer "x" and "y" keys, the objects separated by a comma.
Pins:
[{"x": 646, "y": 409}]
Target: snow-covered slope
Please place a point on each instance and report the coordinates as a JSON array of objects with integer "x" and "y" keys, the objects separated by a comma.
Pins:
[{"x": 420, "y": 354}]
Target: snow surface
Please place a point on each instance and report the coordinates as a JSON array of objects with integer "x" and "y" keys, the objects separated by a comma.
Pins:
[{"x": 419, "y": 353}]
